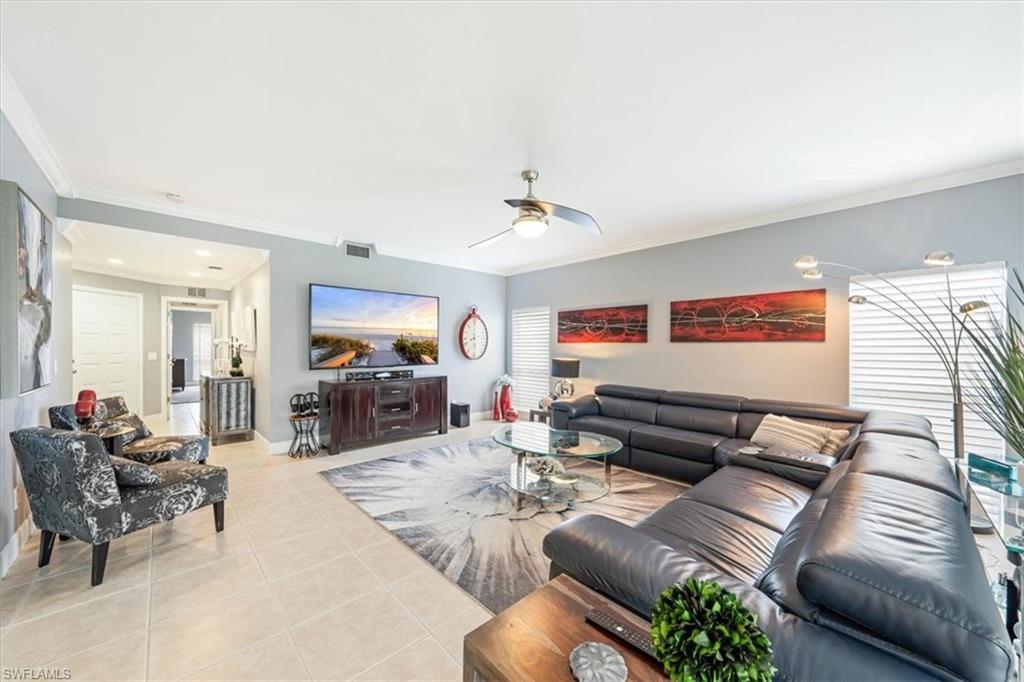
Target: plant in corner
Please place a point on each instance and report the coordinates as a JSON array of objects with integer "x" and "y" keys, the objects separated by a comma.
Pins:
[{"x": 703, "y": 633}]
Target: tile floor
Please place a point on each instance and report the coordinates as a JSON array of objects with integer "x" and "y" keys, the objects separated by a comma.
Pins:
[{"x": 300, "y": 585}]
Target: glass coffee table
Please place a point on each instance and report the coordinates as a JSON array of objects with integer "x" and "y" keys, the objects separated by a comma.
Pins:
[{"x": 542, "y": 454}]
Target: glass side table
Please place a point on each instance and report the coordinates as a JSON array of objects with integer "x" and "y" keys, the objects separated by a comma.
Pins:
[{"x": 1006, "y": 512}]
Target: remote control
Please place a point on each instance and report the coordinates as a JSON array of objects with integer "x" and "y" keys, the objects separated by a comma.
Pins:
[{"x": 638, "y": 639}]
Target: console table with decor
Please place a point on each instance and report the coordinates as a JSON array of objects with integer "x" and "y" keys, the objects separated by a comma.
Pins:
[
  {"x": 226, "y": 407},
  {"x": 360, "y": 413}
]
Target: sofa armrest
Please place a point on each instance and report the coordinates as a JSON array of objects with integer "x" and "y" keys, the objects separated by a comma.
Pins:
[
  {"x": 633, "y": 569},
  {"x": 564, "y": 410}
]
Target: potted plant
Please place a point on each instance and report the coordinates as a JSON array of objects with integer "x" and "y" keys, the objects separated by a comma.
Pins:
[
  {"x": 701, "y": 632},
  {"x": 234, "y": 345},
  {"x": 995, "y": 387}
]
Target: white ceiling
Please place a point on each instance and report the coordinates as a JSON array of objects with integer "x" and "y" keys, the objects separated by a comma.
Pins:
[
  {"x": 161, "y": 258},
  {"x": 407, "y": 124}
]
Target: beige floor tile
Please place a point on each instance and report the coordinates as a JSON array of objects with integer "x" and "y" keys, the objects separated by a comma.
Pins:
[
  {"x": 284, "y": 501},
  {"x": 122, "y": 659},
  {"x": 70, "y": 588},
  {"x": 195, "y": 589},
  {"x": 298, "y": 552},
  {"x": 192, "y": 526},
  {"x": 422, "y": 661},
  {"x": 36, "y": 642},
  {"x": 193, "y": 641},
  {"x": 176, "y": 557},
  {"x": 392, "y": 559},
  {"x": 451, "y": 634},
  {"x": 265, "y": 531},
  {"x": 338, "y": 644},
  {"x": 307, "y": 593},
  {"x": 431, "y": 597},
  {"x": 360, "y": 531},
  {"x": 272, "y": 659}
]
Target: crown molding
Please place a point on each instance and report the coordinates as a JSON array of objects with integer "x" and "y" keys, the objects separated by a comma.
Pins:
[
  {"x": 385, "y": 249},
  {"x": 251, "y": 268},
  {"x": 907, "y": 189},
  {"x": 14, "y": 106},
  {"x": 121, "y": 273}
]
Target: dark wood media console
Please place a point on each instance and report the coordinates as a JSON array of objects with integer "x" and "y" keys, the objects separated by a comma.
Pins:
[{"x": 362, "y": 413}]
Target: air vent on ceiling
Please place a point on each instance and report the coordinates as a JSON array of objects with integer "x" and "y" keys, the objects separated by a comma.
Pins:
[
  {"x": 358, "y": 250},
  {"x": 214, "y": 267},
  {"x": 196, "y": 292}
]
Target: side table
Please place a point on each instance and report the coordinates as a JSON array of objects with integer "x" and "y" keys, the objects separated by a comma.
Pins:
[
  {"x": 305, "y": 441},
  {"x": 532, "y": 639},
  {"x": 540, "y": 415},
  {"x": 112, "y": 437}
]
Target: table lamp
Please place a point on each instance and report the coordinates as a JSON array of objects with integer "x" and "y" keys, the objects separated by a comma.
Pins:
[{"x": 565, "y": 369}]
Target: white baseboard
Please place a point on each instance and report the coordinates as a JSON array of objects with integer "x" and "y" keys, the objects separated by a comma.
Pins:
[
  {"x": 278, "y": 448},
  {"x": 13, "y": 547}
]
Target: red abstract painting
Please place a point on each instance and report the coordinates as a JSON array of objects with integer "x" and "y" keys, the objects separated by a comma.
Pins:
[
  {"x": 621, "y": 324},
  {"x": 778, "y": 316}
]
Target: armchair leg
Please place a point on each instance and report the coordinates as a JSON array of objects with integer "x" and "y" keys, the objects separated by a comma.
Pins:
[
  {"x": 218, "y": 515},
  {"x": 46, "y": 539},
  {"x": 99, "y": 562}
]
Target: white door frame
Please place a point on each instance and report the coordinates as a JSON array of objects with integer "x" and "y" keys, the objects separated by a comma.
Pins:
[
  {"x": 168, "y": 303},
  {"x": 141, "y": 331}
]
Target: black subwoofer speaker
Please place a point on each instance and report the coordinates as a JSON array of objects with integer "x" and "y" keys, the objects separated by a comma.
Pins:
[{"x": 460, "y": 415}]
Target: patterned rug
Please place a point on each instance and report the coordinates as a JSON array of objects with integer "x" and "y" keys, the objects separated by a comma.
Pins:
[{"x": 452, "y": 506}]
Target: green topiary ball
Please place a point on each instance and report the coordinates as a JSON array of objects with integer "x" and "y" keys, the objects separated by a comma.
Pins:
[{"x": 702, "y": 633}]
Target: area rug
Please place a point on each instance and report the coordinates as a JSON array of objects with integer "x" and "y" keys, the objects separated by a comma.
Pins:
[{"x": 451, "y": 505}]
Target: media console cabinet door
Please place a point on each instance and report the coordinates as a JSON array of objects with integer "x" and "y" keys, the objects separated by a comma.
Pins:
[
  {"x": 354, "y": 408},
  {"x": 426, "y": 405}
]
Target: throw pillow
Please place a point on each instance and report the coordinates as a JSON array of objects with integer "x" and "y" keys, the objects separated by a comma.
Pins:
[
  {"x": 788, "y": 433},
  {"x": 129, "y": 473},
  {"x": 835, "y": 439}
]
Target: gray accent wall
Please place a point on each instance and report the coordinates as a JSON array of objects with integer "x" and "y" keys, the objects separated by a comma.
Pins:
[
  {"x": 17, "y": 165},
  {"x": 152, "y": 401},
  {"x": 979, "y": 223},
  {"x": 293, "y": 264}
]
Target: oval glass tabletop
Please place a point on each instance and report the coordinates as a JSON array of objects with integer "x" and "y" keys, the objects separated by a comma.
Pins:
[{"x": 539, "y": 439}]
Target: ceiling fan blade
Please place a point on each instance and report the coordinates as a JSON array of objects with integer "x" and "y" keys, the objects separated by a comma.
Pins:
[
  {"x": 584, "y": 220},
  {"x": 494, "y": 239}
]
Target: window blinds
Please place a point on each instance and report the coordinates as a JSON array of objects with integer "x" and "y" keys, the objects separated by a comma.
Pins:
[{"x": 531, "y": 357}]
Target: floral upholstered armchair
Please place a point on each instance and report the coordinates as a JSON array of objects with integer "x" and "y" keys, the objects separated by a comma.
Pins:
[
  {"x": 76, "y": 489},
  {"x": 139, "y": 445}
]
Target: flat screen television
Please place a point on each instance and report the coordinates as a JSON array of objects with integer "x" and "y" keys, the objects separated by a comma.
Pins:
[{"x": 367, "y": 328}]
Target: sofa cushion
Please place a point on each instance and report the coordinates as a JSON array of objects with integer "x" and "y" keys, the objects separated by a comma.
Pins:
[
  {"x": 801, "y": 459},
  {"x": 616, "y": 428},
  {"x": 720, "y": 422},
  {"x": 899, "y": 560},
  {"x": 712, "y": 401},
  {"x": 898, "y": 424},
  {"x": 779, "y": 579},
  {"x": 905, "y": 458},
  {"x": 183, "y": 486},
  {"x": 626, "y": 408},
  {"x": 678, "y": 442},
  {"x": 629, "y": 392},
  {"x": 734, "y": 545},
  {"x": 829, "y": 416},
  {"x": 129, "y": 473},
  {"x": 836, "y": 438},
  {"x": 828, "y": 483},
  {"x": 728, "y": 449},
  {"x": 669, "y": 466},
  {"x": 754, "y": 495}
]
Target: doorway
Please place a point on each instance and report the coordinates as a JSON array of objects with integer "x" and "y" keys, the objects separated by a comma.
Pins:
[
  {"x": 107, "y": 343},
  {"x": 191, "y": 337}
]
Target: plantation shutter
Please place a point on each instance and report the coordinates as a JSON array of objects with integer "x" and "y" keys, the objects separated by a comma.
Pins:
[
  {"x": 531, "y": 356},
  {"x": 892, "y": 368}
]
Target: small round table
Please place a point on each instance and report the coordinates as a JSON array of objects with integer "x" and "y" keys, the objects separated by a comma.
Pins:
[
  {"x": 539, "y": 471},
  {"x": 305, "y": 441},
  {"x": 112, "y": 437}
]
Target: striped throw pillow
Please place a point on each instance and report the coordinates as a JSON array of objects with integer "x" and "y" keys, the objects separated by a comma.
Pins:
[
  {"x": 835, "y": 439},
  {"x": 785, "y": 432}
]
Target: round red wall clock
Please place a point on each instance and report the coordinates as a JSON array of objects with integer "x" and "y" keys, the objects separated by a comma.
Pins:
[{"x": 473, "y": 336}]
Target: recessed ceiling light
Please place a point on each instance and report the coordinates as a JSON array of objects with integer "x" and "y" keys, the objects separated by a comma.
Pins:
[
  {"x": 173, "y": 196},
  {"x": 203, "y": 253},
  {"x": 115, "y": 261},
  {"x": 194, "y": 274}
]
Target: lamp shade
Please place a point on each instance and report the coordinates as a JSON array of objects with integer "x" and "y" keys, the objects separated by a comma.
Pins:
[{"x": 565, "y": 368}]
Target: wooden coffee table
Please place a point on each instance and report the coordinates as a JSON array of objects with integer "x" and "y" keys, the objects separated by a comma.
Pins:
[{"x": 532, "y": 639}]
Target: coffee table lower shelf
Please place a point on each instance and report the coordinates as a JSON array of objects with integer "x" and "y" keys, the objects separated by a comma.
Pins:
[{"x": 532, "y": 639}]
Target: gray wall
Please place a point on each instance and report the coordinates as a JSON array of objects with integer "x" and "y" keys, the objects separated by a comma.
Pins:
[
  {"x": 294, "y": 264},
  {"x": 17, "y": 165},
  {"x": 980, "y": 222},
  {"x": 152, "y": 401},
  {"x": 182, "y": 322},
  {"x": 254, "y": 291}
]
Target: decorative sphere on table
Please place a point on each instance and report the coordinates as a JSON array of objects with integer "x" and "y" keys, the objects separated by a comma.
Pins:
[{"x": 596, "y": 662}]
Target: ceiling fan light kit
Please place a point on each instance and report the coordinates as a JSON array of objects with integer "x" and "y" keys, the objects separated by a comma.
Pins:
[{"x": 534, "y": 213}]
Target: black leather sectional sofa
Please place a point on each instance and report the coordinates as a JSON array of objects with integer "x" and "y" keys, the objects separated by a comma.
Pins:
[{"x": 858, "y": 567}]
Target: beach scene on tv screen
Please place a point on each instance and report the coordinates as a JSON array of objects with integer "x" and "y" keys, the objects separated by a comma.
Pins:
[{"x": 359, "y": 328}]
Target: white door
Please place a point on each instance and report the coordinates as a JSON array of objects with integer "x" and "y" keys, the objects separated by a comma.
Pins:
[{"x": 106, "y": 345}]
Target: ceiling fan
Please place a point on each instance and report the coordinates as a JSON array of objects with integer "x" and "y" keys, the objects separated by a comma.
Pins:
[{"x": 532, "y": 220}]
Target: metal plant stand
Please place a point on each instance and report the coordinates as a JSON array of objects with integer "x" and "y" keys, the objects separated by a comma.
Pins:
[{"x": 305, "y": 441}]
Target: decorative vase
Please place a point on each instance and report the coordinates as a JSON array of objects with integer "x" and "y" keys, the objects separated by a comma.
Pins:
[
  {"x": 496, "y": 415},
  {"x": 506, "y": 400}
]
